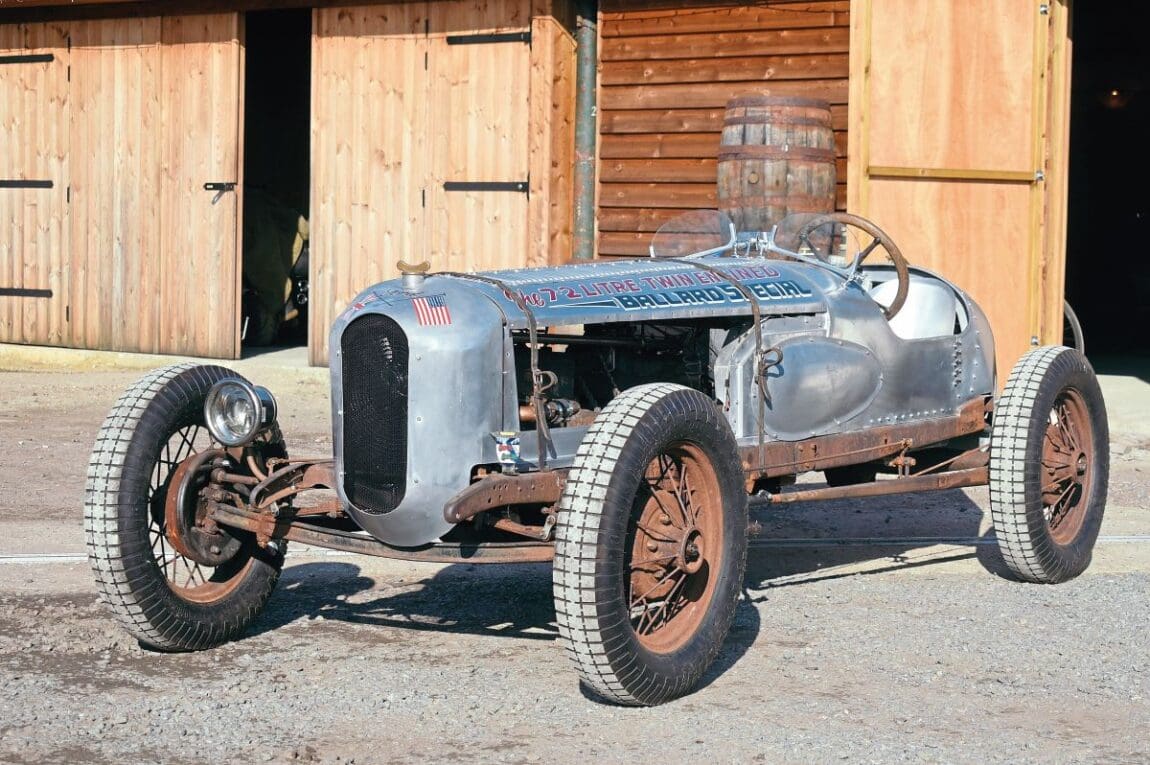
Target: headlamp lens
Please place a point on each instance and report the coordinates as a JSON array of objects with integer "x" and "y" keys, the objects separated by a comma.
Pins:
[{"x": 237, "y": 411}]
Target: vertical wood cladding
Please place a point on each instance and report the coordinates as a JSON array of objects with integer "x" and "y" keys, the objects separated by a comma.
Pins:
[
  {"x": 666, "y": 74},
  {"x": 127, "y": 118}
]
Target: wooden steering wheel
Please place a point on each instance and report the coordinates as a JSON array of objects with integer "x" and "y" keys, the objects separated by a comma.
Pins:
[{"x": 879, "y": 238}]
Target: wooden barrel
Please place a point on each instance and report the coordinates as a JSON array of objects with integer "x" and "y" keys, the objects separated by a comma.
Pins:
[{"x": 776, "y": 157}]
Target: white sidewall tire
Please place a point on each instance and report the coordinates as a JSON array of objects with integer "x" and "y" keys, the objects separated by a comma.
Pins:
[
  {"x": 1021, "y": 415},
  {"x": 590, "y": 584}
]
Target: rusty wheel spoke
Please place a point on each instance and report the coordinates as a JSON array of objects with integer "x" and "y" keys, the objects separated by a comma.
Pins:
[
  {"x": 690, "y": 506},
  {"x": 650, "y": 610},
  {"x": 662, "y": 611},
  {"x": 659, "y": 583},
  {"x": 1066, "y": 429},
  {"x": 673, "y": 550},
  {"x": 1053, "y": 464},
  {"x": 653, "y": 491},
  {"x": 164, "y": 558},
  {"x": 648, "y": 561},
  {"x": 653, "y": 534},
  {"x": 1059, "y": 507},
  {"x": 677, "y": 483},
  {"x": 198, "y": 577},
  {"x": 180, "y": 572},
  {"x": 186, "y": 446},
  {"x": 1073, "y": 429}
]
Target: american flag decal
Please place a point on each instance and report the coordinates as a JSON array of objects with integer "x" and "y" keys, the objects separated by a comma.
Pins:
[{"x": 432, "y": 310}]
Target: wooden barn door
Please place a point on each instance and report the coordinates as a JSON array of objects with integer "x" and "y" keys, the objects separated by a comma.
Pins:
[
  {"x": 419, "y": 143},
  {"x": 156, "y": 117},
  {"x": 201, "y": 130},
  {"x": 33, "y": 184},
  {"x": 369, "y": 153},
  {"x": 958, "y": 149},
  {"x": 479, "y": 94}
]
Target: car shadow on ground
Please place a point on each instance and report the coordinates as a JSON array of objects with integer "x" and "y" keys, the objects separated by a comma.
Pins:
[
  {"x": 796, "y": 545},
  {"x": 818, "y": 541},
  {"x": 512, "y": 600}
]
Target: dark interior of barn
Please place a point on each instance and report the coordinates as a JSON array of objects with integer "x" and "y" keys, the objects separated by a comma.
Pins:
[
  {"x": 1108, "y": 241},
  {"x": 277, "y": 97}
]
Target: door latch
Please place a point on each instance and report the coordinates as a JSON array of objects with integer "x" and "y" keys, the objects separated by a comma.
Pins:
[{"x": 220, "y": 187}]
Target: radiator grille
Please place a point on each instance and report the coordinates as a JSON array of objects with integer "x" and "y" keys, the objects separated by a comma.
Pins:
[{"x": 375, "y": 378}]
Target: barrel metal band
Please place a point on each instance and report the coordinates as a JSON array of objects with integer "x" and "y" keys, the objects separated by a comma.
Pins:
[
  {"x": 775, "y": 118},
  {"x": 776, "y": 153}
]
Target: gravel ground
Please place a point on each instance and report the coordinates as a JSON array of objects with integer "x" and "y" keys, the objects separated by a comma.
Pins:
[{"x": 914, "y": 649}]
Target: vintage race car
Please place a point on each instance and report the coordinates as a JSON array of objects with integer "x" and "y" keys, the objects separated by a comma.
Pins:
[{"x": 614, "y": 417}]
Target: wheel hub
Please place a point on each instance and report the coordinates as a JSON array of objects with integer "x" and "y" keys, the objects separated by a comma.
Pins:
[
  {"x": 185, "y": 512},
  {"x": 690, "y": 557}
]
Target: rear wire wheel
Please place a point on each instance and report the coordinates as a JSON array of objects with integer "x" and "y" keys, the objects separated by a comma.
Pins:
[
  {"x": 166, "y": 597},
  {"x": 650, "y": 545},
  {"x": 1049, "y": 465}
]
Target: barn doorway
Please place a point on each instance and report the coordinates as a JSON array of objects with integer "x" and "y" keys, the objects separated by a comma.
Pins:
[
  {"x": 1107, "y": 268},
  {"x": 277, "y": 139}
]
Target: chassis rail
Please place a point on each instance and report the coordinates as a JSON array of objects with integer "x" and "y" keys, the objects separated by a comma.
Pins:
[{"x": 269, "y": 527}]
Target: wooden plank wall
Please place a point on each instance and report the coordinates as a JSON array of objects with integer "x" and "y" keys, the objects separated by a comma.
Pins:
[
  {"x": 33, "y": 147},
  {"x": 551, "y": 148},
  {"x": 666, "y": 74}
]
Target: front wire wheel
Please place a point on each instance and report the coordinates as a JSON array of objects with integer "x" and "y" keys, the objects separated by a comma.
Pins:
[
  {"x": 191, "y": 580},
  {"x": 673, "y": 547},
  {"x": 650, "y": 545},
  {"x": 147, "y": 465},
  {"x": 1049, "y": 465}
]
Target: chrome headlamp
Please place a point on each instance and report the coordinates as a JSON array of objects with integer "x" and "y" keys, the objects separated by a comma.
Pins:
[{"x": 237, "y": 411}]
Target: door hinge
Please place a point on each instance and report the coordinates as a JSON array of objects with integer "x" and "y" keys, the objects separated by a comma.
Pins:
[
  {"x": 520, "y": 186},
  {"x": 1039, "y": 176},
  {"x": 28, "y": 58},
  {"x": 24, "y": 292},
  {"x": 487, "y": 39},
  {"x": 1044, "y": 9},
  {"x": 21, "y": 183}
]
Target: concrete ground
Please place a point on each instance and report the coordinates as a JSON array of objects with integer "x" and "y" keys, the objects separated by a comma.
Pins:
[{"x": 877, "y": 631}]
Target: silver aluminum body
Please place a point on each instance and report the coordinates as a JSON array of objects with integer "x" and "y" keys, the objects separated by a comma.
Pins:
[{"x": 842, "y": 366}]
